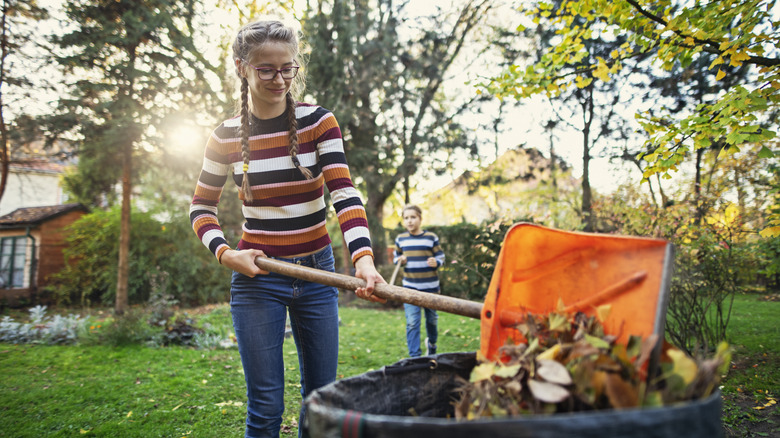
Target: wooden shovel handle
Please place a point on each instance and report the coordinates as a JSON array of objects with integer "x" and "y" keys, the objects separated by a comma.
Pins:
[
  {"x": 444, "y": 303},
  {"x": 395, "y": 274}
]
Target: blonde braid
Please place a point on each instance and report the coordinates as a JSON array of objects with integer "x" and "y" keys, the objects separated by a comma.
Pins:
[
  {"x": 245, "y": 187},
  {"x": 293, "y": 121}
]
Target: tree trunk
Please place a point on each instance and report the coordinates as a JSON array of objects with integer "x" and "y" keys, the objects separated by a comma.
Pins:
[
  {"x": 4, "y": 155},
  {"x": 346, "y": 256},
  {"x": 699, "y": 202},
  {"x": 587, "y": 208},
  {"x": 375, "y": 214},
  {"x": 124, "y": 233}
]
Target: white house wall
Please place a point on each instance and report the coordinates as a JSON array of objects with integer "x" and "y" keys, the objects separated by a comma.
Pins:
[{"x": 31, "y": 188}]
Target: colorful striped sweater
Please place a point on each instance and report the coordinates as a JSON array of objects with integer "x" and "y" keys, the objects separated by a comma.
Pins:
[
  {"x": 287, "y": 216},
  {"x": 417, "y": 249}
]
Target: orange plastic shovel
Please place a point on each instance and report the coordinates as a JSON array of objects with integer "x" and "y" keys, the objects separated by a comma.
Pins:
[{"x": 537, "y": 269}]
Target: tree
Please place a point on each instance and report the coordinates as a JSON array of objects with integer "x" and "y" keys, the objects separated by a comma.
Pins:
[
  {"x": 132, "y": 62},
  {"x": 13, "y": 35},
  {"x": 386, "y": 88},
  {"x": 737, "y": 33}
]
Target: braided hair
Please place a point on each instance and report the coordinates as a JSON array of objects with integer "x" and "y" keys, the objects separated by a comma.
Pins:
[{"x": 249, "y": 38}]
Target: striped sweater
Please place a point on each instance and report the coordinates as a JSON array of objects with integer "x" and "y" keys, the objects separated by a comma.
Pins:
[
  {"x": 417, "y": 249},
  {"x": 287, "y": 216}
]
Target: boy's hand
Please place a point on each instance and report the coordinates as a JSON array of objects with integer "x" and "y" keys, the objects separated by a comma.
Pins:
[
  {"x": 432, "y": 262},
  {"x": 401, "y": 259}
]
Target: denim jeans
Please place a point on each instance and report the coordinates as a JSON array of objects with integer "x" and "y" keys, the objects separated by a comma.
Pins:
[
  {"x": 259, "y": 307},
  {"x": 413, "y": 315}
]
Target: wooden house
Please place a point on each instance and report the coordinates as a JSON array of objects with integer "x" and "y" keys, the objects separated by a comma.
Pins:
[{"x": 31, "y": 243}]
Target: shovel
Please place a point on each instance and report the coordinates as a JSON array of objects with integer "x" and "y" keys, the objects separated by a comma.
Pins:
[{"x": 537, "y": 270}]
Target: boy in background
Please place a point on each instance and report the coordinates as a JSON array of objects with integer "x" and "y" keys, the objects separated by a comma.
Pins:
[{"x": 420, "y": 253}]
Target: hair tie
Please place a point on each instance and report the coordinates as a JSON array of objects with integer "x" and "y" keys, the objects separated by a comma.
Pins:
[
  {"x": 296, "y": 162},
  {"x": 246, "y": 167}
]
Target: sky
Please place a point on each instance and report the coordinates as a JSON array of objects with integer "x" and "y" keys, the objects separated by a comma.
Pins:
[{"x": 522, "y": 125}]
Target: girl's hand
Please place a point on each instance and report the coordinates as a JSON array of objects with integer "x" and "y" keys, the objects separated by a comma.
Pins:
[
  {"x": 365, "y": 269},
  {"x": 401, "y": 259},
  {"x": 243, "y": 261}
]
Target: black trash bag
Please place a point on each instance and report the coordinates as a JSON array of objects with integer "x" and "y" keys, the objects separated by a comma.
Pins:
[{"x": 414, "y": 399}]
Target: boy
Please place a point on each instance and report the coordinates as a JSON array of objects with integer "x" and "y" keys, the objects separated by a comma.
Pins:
[{"x": 421, "y": 254}]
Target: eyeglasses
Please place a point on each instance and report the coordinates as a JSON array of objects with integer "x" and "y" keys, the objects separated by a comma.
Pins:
[{"x": 268, "y": 74}]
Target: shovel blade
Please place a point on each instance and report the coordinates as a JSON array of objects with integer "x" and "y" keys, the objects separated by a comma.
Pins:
[{"x": 539, "y": 269}]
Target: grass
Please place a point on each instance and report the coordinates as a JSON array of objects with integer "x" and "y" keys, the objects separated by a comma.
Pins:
[
  {"x": 754, "y": 379},
  {"x": 64, "y": 391}
]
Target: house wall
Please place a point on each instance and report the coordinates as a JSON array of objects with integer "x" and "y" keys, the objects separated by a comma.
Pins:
[
  {"x": 31, "y": 188},
  {"x": 51, "y": 245}
]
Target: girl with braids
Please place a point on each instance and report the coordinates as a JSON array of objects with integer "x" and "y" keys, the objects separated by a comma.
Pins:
[{"x": 281, "y": 153}]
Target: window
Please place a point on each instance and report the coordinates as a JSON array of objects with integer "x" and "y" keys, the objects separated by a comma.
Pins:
[{"x": 13, "y": 254}]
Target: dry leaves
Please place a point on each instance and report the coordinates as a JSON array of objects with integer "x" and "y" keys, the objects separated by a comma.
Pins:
[{"x": 569, "y": 365}]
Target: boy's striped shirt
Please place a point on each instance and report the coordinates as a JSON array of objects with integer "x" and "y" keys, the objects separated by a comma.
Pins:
[
  {"x": 417, "y": 249},
  {"x": 287, "y": 216}
]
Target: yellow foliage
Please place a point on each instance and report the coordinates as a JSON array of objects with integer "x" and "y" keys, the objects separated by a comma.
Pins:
[
  {"x": 770, "y": 232},
  {"x": 601, "y": 71}
]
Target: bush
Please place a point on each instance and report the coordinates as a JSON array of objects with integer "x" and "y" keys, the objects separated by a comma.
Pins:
[
  {"x": 164, "y": 256},
  {"x": 715, "y": 258},
  {"x": 471, "y": 253}
]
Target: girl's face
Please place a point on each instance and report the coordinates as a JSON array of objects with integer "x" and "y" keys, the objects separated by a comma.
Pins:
[
  {"x": 268, "y": 96},
  {"x": 412, "y": 221}
]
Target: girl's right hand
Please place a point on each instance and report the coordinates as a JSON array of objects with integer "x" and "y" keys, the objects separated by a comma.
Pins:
[{"x": 243, "y": 261}]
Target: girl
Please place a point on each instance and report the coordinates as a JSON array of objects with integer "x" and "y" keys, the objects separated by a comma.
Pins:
[{"x": 280, "y": 153}]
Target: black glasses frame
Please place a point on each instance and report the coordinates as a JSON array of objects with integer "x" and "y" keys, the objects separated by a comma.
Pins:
[{"x": 286, "y": 72}]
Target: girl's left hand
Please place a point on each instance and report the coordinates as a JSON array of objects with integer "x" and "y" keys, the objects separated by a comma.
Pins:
[{"x": 365, "y": 269}]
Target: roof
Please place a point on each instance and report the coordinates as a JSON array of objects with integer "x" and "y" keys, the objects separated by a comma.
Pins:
[
  {"x": 37, "y": 215},
  {"x": 42, "y": 166}
]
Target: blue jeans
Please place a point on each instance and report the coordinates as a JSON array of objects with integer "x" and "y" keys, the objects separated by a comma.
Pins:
[
  {"x": 259, "y": 307},
  {"x": 413, "y": 314}
]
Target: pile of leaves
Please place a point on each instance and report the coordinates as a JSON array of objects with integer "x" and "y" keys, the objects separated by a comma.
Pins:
[{"x": 570, "y": 365}]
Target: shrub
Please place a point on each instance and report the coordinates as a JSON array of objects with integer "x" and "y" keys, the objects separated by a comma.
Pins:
[
  {"x": 164, "y": 257},
  {"x": 471, "y": 253},
  {"x": 43, "y": 329}
]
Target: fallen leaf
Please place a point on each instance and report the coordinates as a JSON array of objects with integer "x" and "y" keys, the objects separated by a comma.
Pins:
[
  {"x": 482, "y": 372},
  {"x": 553, "y": 372},
  {"x": 603, "y": 311},
  {"x": 547, "y": 392},
  {"x": 621, "y": 393},
  {"x": 684, "y": 366},
  {"x": 550, "y": 353},
  {"x": 507, "y": 372}
]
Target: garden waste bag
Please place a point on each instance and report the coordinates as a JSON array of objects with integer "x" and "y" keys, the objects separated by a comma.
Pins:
[{"x": 413, "y": 398}]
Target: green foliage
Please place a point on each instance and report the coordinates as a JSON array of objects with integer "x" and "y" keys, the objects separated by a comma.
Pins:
[
  {"x": 737, "y": 40},
  {"x": 164, "y": 258},
  {"x": 471, "y": 253},
  {"x": 715, "y": 258},
  {"x": 388, "y": 99}
]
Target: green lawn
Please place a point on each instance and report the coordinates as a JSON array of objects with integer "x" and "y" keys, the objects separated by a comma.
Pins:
[
  {"x": 65, "y": 391},
  {"x": 753, "y": 382}
]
